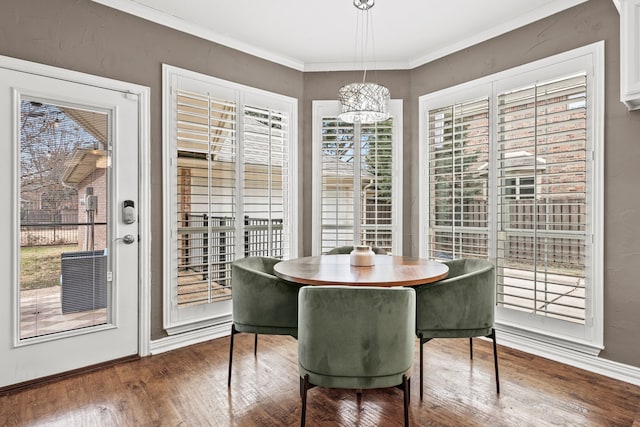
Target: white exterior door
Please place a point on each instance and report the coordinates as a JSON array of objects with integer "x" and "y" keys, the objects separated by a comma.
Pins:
[{"x": 69, "y": 255}]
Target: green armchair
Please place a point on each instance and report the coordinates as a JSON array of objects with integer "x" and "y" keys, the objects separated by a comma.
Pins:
[
  {"x": 347, "y": 250},
  {"x": 356, "y": 338},
  {"x": 262, "y": 303},
  {"x": 460, "y": 306}
]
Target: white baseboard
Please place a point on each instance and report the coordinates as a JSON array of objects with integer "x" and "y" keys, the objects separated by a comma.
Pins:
[
  {"x": 599, "y": 365},
  {"x": 184, "y": 339}
]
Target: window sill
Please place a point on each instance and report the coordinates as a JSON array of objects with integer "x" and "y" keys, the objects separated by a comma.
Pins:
[
  {"x": 189, "y": 326},
  {"x": 541, "y": 344}
]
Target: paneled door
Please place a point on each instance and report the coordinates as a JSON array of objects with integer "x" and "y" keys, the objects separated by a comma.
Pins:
[{"x": 69, "y": 255}]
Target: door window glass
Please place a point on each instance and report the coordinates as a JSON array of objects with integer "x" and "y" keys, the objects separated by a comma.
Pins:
[{"x": 64, "y": 209}]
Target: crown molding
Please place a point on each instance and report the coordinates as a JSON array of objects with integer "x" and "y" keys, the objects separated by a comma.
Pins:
[
  {"x": 616, "y": 3},
  {"x": 504, "y": 28},
  {"x": 181, "y": 25},
  {"x": 159, "y": 17}
]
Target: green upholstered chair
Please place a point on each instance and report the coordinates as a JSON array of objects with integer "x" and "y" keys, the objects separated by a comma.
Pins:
[
  {"x": 355, "y": 337},
  {"x": 347, "y": 250},
  {"x": 262, "y": 302},
  {"x": 460, "y": 306}
]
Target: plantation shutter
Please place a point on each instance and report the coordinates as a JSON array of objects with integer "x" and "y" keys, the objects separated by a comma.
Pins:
[
  {"x": 458, "y": 146},
  {"x": 338, "y": 180},
  {"x": 542, "y": 236},
  {"x": 376, "y": 167},
  {"x": 265, "y": 166},
  {"x": 356, "y": 199},
  {"x": 205, "y": 197}
]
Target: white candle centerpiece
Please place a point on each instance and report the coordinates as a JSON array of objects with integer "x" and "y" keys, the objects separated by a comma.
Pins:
[{"x": 362, "y": 256}]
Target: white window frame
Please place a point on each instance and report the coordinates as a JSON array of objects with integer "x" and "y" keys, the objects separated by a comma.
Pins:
[
  {"x": 523, "y": 328},
  {"x": 459, "y": 227},
  {"x": 518, "y": 186},
  {"x": 178, "y": 320},
  {"x": 325, "y": 108}
]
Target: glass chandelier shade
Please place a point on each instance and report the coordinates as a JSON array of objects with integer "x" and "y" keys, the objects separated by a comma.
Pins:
[{"x": 364, "y": 102}]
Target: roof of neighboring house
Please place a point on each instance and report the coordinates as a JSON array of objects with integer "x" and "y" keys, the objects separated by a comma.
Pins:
[
  {"x": 518, "y": 161},
  {"x": 92, "y": 122},
  {"x": 82, "y": 163}
]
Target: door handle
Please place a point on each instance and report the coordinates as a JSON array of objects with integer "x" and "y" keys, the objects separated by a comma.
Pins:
[{"x": 127, "y": 238}]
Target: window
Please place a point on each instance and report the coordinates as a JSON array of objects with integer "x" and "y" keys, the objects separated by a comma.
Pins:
[
  {"x": 513, "y": 173},
  {"x": 542, "y": 237},
  {"x": 458, "y": 154},
  {"x": 228, "y": 185},
  {"x": 356, "y": 180},
  {"x": 519, "y": 187}
]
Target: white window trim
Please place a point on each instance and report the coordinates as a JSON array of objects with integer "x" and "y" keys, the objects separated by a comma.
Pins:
[
  {"x": 591, "y": 341},
  {"x": 455, "y": 95},
  {"x": 322, "y": 108},
  {"x": 187, "y": 319}
]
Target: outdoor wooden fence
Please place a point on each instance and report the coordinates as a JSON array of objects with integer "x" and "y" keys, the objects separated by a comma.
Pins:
[
  {"x": 46, "y": 227},
  {"x": 554, "y": 227}
]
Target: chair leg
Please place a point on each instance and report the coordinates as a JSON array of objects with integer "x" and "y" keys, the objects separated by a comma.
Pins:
[
  {"x": 407, "y": 389},
  {"x": 495, "y": 359},
  {"x": 255, "y": 346},
  {"x": 305, "y": 388},
  {"x": 470, "y": 348},
  {"x": 421, "y": 384},
  {"x": 233, "y": 332}
]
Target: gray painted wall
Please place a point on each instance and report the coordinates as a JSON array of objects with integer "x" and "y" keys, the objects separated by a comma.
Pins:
[{"x": 87, "y": 37}]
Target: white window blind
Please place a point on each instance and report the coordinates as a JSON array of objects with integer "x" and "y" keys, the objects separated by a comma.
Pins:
[
  {"x": 356, "y": 194},
  {"x": 338, "y": 216},
  {"x": 544, "y": 192},
  {"x": 205, "y": 198},
  {"x": 265, "y": 191},
  {"x": 542, "y": 137},
  {"x": 458, "y": 147},
  {"x": 376, "y": 171},
  {"x": 229, "y": 160}
]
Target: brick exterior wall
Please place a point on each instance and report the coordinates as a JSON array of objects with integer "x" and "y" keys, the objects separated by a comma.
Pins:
[{"x": 98, "y": 182}]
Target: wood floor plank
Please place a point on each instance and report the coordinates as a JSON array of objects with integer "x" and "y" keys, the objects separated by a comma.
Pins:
[{"x": 188, "y": 387}]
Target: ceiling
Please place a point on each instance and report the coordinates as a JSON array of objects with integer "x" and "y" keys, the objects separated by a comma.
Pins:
[{"x": 320, "y": 35}]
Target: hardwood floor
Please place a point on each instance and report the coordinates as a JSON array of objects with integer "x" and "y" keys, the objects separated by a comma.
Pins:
[{"x": 188, "y": 387}]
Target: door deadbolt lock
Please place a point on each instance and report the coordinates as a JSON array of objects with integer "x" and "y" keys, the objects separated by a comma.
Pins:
[
  {"x": 128, "y": 212},
  {"x": 128, "y": 239}
]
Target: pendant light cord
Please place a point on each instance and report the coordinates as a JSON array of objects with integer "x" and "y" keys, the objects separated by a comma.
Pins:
[{"x": 366, "y": 31}]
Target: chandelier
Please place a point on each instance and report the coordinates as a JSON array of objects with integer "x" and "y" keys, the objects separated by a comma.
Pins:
[{"x": 364, "y": 102}]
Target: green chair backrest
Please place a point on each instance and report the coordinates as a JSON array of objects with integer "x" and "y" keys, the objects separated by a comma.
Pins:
[
  {"x": 261, "y": 301},
  {"x": 461, "y": 305},
  {"x": 352, "y": 336}
]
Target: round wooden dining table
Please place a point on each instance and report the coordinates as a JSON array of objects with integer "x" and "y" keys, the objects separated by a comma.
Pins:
[{"x": 337, "y": 270}]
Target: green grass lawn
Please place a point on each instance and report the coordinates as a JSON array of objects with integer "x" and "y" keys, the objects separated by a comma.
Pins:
[{"x": 40, "y": 265}]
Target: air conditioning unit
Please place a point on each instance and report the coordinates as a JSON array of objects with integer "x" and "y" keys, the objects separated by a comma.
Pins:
[{"x": 83, "y": 281}]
